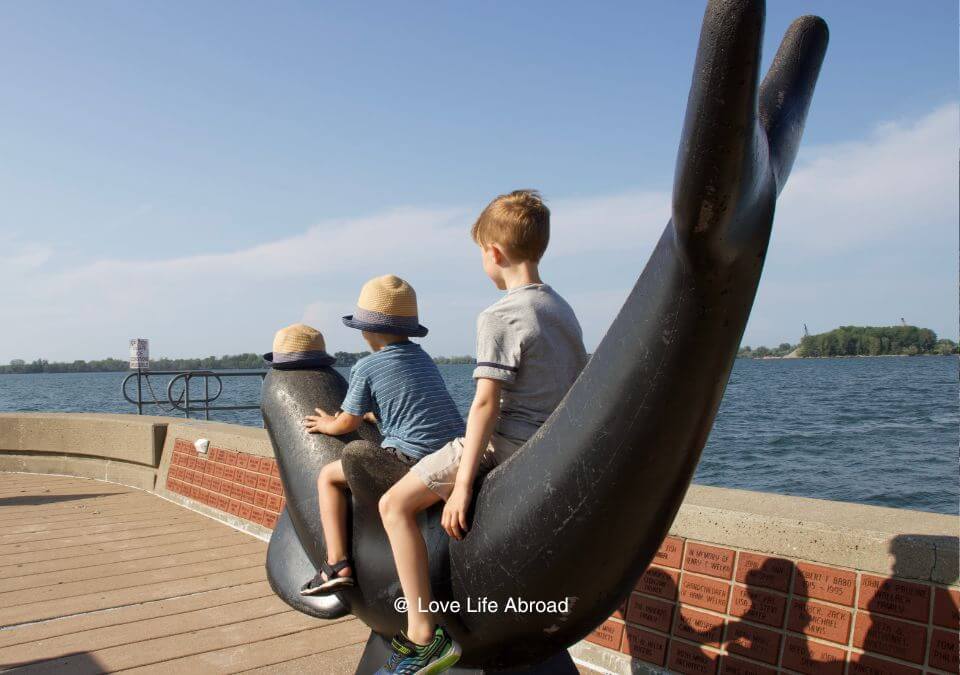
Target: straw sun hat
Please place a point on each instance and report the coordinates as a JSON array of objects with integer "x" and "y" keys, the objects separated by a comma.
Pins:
[
  {"x": 299, "y": 346},
  {"x": 387, "y": 304}
]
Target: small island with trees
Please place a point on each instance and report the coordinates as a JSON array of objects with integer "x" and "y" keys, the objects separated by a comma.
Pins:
[{"x": 847, "y": 341}]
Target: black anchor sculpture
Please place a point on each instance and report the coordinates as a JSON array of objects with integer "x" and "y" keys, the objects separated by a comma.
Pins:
[{"x": 580, "y": 510}]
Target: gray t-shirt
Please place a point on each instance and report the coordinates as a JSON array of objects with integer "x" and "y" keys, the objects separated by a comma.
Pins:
[{"x": 530, "y": 340}]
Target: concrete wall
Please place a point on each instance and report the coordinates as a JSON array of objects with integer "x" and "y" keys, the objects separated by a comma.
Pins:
[
  {"x": 746, "y": 583},
  {"x": 117, "y": 448}
]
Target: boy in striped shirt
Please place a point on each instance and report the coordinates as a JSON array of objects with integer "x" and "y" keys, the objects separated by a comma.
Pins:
[{"x": 401, "y": 387}]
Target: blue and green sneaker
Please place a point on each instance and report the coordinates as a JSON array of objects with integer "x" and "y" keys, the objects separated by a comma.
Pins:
[{"x": 409, "y": 658}]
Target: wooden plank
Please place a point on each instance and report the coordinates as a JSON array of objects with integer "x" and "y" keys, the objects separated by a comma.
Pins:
[
  {"x": 340, "y": 661},
  {"x": 263, "y": 653},
  {"x": 174, "y": 546},
  {"x": 115, "y": 574},
  {"x": 58, "y": 512},
  {"x": 174, "y": 646},
  {"x": 126, "y": 596},
  {"x": 28, "y": 596},
  {"x": 81, "y": 519},
  {"x": 104, "y": 538},
  {"x": 87, "y": 530},
  {"x": 80, "y": 623},
  {"x": 139, "y": 631},
  {"x": 150, "y": 541},
  {"x": 11, "y": 512}
]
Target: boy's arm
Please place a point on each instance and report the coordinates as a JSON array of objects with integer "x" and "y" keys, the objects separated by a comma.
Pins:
[
  {"x": 480, "y": 423},
  {"x": 332, "y": 425}
]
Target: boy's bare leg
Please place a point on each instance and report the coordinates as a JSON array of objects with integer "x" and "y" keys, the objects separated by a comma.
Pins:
[
  {"x": 399, "y": 507},
  {"x": 331, "y": 493}
]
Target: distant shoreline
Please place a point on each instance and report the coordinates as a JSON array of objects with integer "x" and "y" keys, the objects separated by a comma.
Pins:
[{"x": 843, "y": 356}]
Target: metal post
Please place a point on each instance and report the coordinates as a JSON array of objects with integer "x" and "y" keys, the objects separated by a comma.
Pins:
[
  {"x": 206, "y": 398},
  {"x": 139, "y": 393},
  {"x": 186, "y": 394}
]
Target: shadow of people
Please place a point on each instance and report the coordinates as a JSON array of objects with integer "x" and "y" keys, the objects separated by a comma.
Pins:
[
  {"x": 891, "y": 601},
  {"x": 764, "y": 608}
]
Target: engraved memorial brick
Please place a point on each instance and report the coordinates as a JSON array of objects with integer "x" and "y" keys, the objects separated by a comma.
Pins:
[
  {"x": 263, "y": 482},
  {"x": 946, "y": 602},
  {"x": 754, "y": 604},
  {"x": 879, "y": 634},
  {"x": 691, "y": 660},
  {"x": 704, "y": 592},
  {"x": 260, "y": 499},
  {"x": 243, "y": 460},
  {"x": 234, "y": 508},
  {"x": 607, "y": 634},
  {"x": 644, "y": 645},
  {"x": 710, "y": 560},
  {"x": 274, "y": 503},
  {"x": 649, "y": 612},
  {"x": 276, "y": 487},
  {"x": 266, "y": 463},
  {"x": 865, "y": 664},
  {"x": 825, "y": 583},
  {"x": 813, "y": 658},
  {"x": 754, "y": 569},
  {"x": 692, "y": 624},
  {"x": 730, "y": 665},
  {"x": 670, "y": 552},
  {"x": 759, "y": 644},
  {"x": 250, "y": 479},
  {"x": 230, "y": 458},
  {"x": 894, "y": 597},
  {"x": 246, "y": 510},
  {"x": 819, "y": 620},
  {"x": 269, "y": 519},
  {"x": 944, "y": 649},
  {"x": 659, "y": 581}
]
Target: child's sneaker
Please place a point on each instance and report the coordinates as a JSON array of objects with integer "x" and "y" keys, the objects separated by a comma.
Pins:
[{"x": 409, "y": 658}]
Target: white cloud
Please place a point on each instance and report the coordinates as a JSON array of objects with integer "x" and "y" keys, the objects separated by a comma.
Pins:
[{"x": 847, "y": 209}]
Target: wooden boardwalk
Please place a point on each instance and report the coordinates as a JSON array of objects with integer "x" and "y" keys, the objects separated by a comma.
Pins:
[{"x": 97, "y": 577}]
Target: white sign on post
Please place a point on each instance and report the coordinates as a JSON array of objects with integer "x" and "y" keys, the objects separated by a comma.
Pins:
[{"x": 140, "y": 353}]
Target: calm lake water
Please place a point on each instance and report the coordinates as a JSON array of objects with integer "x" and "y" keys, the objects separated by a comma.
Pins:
[{"x": 878, "y": 431}]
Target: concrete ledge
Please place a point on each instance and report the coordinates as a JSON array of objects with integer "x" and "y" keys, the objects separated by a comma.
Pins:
[
  {"x": 124, "y": 473},
  {"x": 898, "y": 542},
  {"x": 128, "y": 438}
]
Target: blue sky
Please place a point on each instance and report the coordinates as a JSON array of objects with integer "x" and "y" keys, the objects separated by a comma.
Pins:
[{"x": 203, "y": 173}]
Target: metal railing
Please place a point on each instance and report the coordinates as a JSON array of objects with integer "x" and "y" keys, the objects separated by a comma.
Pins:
[{"x": 182, "y": 400}]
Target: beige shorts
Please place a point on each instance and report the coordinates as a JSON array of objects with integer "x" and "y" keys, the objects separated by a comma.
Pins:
[{"x": 438, "y": 470}]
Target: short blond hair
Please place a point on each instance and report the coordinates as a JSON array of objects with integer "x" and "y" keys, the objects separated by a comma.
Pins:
[{"x": 518, "y": 221}]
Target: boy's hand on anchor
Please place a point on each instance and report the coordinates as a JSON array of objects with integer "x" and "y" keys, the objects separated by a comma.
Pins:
[
  {"x": 454, "y": 518},
  {"x": 316, "y": 424}
]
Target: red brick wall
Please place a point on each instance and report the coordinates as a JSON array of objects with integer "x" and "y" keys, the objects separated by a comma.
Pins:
[
  {"x": 704, "y": 609},
  {"x": 237, "y": 483}
]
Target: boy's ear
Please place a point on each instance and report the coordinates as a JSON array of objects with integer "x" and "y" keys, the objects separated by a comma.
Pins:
[{"x": 497, "y": 254}]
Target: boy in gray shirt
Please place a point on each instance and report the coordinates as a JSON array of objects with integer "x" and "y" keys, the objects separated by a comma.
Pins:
[{"x": 529, "y": 352}]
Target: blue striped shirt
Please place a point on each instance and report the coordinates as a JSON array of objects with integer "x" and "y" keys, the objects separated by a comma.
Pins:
[{"x": 402, "y": 386}]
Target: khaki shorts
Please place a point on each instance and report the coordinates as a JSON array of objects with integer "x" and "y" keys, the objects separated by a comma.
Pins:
[{"x": 438, "y": 470}]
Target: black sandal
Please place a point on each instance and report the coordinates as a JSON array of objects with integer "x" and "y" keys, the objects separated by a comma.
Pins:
[{"x": 333, "y": 583}]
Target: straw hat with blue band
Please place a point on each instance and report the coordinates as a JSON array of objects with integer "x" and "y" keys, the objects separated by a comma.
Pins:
[
  {"x": 299, "y": 347},
  {"x": 387, "y": 304}
]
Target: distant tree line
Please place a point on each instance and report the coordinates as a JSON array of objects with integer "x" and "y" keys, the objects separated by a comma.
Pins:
[
  {"x": 247, "y": 361},
  {"x": 760, "y": 352},
  {"x": 861, "y": 341},
  {"x": 875, "y": 341}
]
